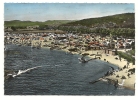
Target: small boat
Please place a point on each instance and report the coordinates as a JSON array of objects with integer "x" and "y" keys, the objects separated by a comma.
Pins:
[
  {"x": 11, "y": 75},
  {"x": 19, "y": 44},
  {"x": 84, "y": 60},
  {"x": 38, "y": 47},
  {"x": 33, "y": 47}
]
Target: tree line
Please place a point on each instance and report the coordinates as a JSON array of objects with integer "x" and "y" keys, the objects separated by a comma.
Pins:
[{"x": 125, "y": 32}]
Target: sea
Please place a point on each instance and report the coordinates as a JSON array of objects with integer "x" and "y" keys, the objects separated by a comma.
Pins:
[{"x": 55, "y": 72}]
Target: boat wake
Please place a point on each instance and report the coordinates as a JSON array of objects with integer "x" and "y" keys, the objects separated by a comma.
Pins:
[{"x": 22, "y": 71}]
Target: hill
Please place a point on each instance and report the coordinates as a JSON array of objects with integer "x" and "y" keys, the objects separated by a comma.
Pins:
[
  {"x": 126, "y": 20},
  {"x": 18, "y": 23}
]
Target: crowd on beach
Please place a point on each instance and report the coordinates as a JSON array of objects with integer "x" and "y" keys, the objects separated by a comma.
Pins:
[
  {"x": 95, "y": 46},
  {"x": 81, "y": 41}
]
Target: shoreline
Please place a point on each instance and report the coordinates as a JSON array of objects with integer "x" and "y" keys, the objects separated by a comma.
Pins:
[{"x": 129, "y": 82}]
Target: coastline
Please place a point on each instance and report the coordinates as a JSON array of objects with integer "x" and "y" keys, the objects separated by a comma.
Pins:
[{"x": 129, "y": 82}]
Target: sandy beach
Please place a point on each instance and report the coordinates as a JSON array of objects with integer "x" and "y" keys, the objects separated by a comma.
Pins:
[
  {"x": 117, "y": 75},
  {"x": 129, "y": 81}
]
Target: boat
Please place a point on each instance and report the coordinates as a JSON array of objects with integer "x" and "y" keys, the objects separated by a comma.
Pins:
[{"x": 84, "y": 60}]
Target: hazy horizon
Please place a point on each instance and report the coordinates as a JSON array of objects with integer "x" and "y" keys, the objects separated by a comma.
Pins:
[{"x": 63, "y": 11}]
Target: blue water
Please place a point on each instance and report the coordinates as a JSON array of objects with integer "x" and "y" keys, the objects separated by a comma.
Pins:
[{"x": 60, "y": 74}]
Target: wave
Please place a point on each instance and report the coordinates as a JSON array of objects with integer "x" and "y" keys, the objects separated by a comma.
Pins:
[{"x": 58, "y": 65}]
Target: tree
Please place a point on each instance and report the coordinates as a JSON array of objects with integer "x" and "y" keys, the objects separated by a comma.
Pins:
[
  {"x": 42, "y": 27},
  {"x": 13, "y": 28}
]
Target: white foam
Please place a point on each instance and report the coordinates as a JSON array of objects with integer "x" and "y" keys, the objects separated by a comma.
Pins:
[{"x": 24, "y": 71}]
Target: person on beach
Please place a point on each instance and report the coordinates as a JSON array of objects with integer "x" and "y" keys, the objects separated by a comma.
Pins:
[
  {"x": 120, "y": 58},
  {"x": 124, "y": 67},
  {"x": 120, "y": 69},
  {"x": 117, "y": 76},
  {"x": 116, "y": 83},
  {"x": 128, "y": 75},
  {"x": 127, "y": 64}
]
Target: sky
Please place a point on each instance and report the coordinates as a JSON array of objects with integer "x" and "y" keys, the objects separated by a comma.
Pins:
[{"x": 63, "y": 11}]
